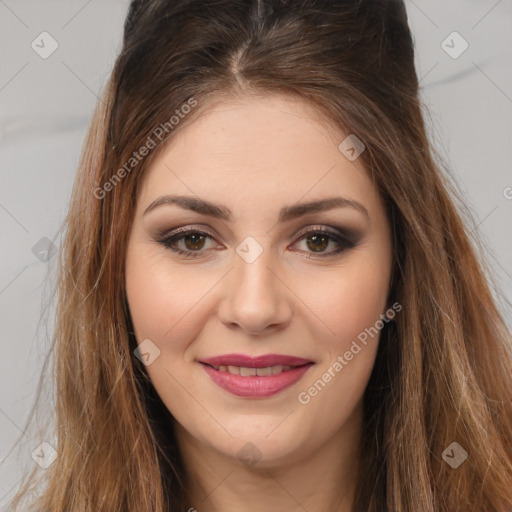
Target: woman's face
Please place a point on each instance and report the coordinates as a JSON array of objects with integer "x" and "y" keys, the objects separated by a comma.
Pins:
[{"x": 271, "y": 281}]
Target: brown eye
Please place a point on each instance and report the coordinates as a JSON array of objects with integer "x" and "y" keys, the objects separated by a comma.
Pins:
[
  {"x": 317, "y": 242},
  {"x": 193, "y": 240},
  {"x": 196, "y": 241}
]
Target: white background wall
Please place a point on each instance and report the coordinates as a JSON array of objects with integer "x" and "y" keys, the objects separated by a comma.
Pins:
[{"x": 46, "y": 104}]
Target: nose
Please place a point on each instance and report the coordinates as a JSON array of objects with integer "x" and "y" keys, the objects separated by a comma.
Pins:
[{"x": 256, "y": 298}]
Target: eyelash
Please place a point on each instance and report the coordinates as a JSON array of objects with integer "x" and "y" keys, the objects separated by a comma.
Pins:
[{"x": 169, "y": 241}]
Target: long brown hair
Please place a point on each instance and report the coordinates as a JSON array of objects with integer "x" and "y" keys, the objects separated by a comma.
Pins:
[{"x": 443, "y": 372}]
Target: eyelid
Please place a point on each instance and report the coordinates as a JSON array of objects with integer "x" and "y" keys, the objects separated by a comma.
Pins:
[
  {"x": 344, "y": 238},
  {"x": 348, "y": 234},
  {"x": 166, "y": 233}
]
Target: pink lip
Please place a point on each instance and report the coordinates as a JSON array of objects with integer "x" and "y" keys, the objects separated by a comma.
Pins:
[
  {"x": 254, "y": 362},
  {"x": 255, "y": 386}
]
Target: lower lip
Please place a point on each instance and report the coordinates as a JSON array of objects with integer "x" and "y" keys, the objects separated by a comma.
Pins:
[{"x": 255, "y": 386}]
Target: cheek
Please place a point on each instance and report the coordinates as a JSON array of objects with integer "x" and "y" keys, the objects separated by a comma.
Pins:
[
  {"x": 352, "y": 306},
  {"x": 165, "y": 303},
  {"x": 349, "y": 300},
  {"x": 171, "y": 303}
]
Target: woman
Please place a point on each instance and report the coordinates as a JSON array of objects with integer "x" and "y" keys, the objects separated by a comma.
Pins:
[{"x": 268, "y": 299}]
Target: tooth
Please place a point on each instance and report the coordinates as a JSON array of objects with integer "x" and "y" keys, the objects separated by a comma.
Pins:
[
  {"x": 277, "y": 369},
  {"x": 286, "y": 368},
  {"x": 223, "y": 368},
  {"x": 235, "y": 370},
  {"x": 263, "y": 372},
  {"x": 247, "y": 372}
]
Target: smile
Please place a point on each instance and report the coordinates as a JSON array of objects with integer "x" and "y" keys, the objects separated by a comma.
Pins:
[
  {"x": 255, "y": 377},
  {"x": 251, "y": 372}
]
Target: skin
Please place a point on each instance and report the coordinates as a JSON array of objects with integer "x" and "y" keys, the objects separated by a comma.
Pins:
[{"x": 256, "y": 155}]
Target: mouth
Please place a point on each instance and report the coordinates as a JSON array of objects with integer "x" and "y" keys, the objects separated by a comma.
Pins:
[
  {"x": 251, "y": 372},
  {"x": 255, "y": 377}
]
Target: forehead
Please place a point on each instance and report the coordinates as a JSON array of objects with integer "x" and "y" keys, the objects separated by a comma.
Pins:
[{"x": 266, "y": 150}]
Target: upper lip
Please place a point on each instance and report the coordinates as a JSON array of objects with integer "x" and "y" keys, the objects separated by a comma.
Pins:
[{"x": 263, "y": 361}]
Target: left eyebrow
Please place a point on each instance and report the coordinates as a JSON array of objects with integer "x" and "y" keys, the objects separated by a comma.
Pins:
[{"x": 286, "y": 214}]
